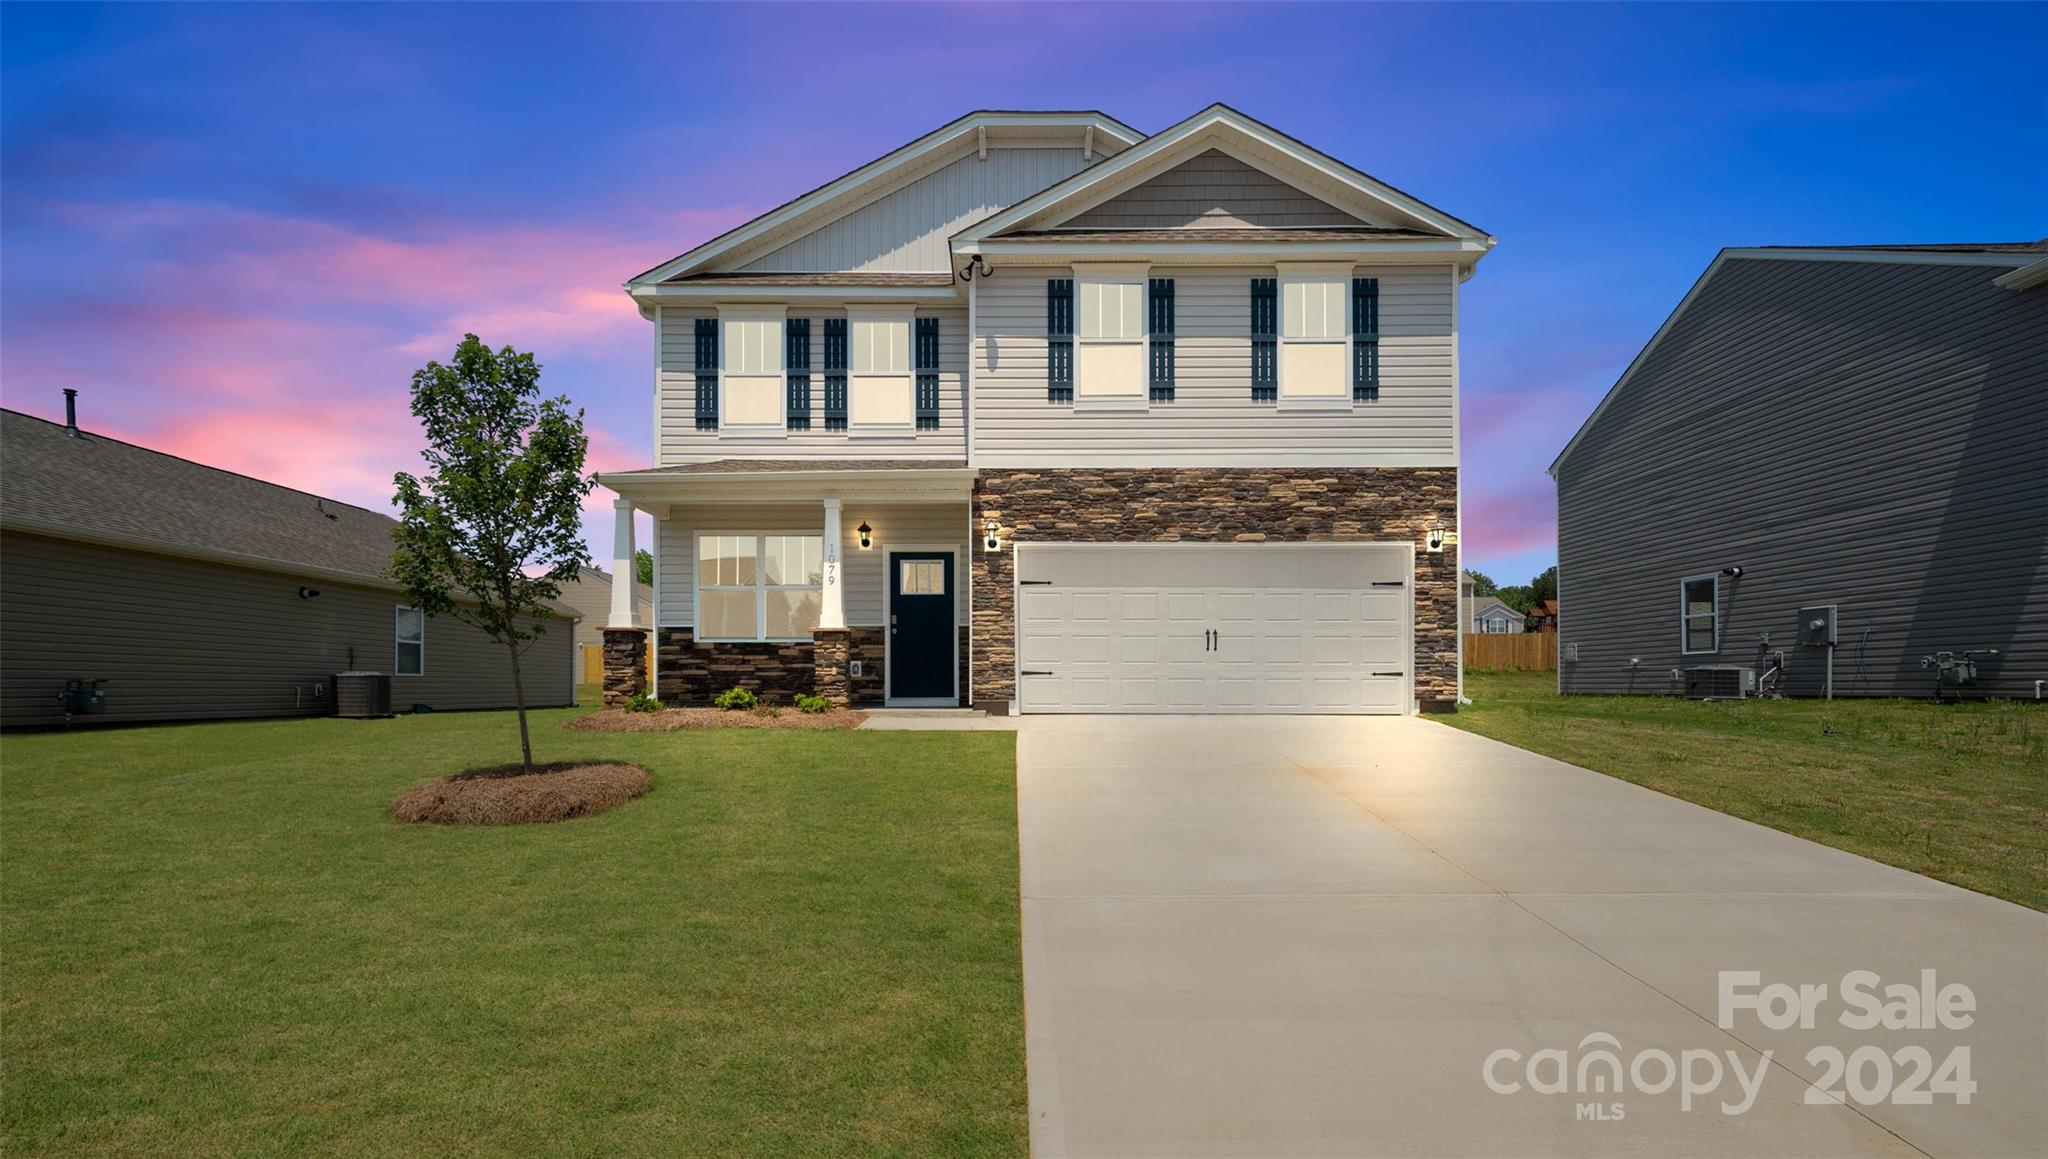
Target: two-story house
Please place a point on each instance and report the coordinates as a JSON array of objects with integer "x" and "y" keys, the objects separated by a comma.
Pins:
[{"x": 1042, "y": 414}]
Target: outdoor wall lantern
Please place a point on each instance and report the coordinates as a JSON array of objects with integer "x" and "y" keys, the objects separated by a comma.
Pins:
[
  {"x": 990, "y": 540},
  {"x": 867, "y": 535},
  {"x": 1435, "y": 541},
  {"x": 308, "y": 593}
]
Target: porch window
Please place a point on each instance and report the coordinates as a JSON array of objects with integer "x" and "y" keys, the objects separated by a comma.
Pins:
[
  {"x": 411, "y": 632},
  {"x": 759, "y": 586}
]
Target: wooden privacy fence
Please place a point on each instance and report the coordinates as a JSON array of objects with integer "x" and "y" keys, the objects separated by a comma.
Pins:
[
  {"x": 592, "y": 664},
  {"x": 1512, "y": 651}
]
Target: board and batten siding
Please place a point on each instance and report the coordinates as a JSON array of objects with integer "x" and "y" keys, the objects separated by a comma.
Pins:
[
  {"x": 1869, "y": 435},
  {"x": 1212, "y": 190},
  {"x": 1212, "y": 420},
  {"x": 181, "y": 639},
  {"x": 680, "y": 441},
  {"x": 905, "y": 230},
  {"x": 866, "y": 601}
]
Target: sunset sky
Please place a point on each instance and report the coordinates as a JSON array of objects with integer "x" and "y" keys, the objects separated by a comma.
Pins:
[{"x": 237, "y": 230}]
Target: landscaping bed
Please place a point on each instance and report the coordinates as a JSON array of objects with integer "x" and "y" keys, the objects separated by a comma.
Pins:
[
  {"x": 685, "y": 719},
  {"x": 516, "y": 795}
]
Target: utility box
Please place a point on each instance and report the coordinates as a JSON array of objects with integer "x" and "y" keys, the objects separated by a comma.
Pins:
[{"x": 1817, "y": 626}]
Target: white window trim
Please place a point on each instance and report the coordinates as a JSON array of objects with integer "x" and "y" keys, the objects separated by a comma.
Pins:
[
  {"x": 760, "y": 586},
  {"x": 753, "y": 312},
  {"x": 1296, "y": 272},
  {"x": 1685, "y": 619},
  {"x": 397, "y": 622},
  {"x": 898, "y": 314},
  {"x": 1116, "y": 274}
]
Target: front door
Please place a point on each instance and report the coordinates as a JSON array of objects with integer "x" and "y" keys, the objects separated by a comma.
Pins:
[{"x": 921, "y": 636}]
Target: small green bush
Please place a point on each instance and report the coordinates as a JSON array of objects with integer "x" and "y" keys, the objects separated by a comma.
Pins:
[
  {"x": 812, "y": 704},
  {"x": 735, "y": 700},
  {"x": 642, "y": 703}
]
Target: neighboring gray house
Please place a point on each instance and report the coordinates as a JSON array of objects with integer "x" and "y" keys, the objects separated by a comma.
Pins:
[
  {"x": 1862, "y": 428},
  {"x": 591, "y": 597},
  {"x": 1492, "y": 617},
  {"x": 199, "y": 593}
]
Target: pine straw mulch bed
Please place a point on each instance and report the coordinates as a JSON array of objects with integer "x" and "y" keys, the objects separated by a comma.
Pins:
[
  {"x": 681, "y": 719},
  {"x": 508, "y": 795}
]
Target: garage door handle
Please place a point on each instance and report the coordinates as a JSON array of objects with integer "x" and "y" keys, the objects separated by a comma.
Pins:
[
  {"x": 1390, "y": 583},
  {"x": 1029, "y": 583},
  {"x": 1390, "y": 674},
  {"x": 1033, "y": 672}
]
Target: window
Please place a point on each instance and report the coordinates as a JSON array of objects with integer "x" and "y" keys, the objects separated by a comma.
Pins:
[
  {"x": 1314, "y": 334},
  {"x": 751, "y": 387},
  {"x": 1699, "y": 618},
  {"x": 1495, "y": 623},
  {"x": 921, "y": 577},
  {"x": 879, "y": 388},
  {"x": 1110, "y": 355},
  {"x": 759, "y": 587},
  {"x": 411, "y": 658}
]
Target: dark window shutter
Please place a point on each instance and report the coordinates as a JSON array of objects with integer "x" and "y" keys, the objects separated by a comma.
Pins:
[
  {"x": 1265, "y": 339},
  {"x": 926, "y": 359},
  {"x": 835, "y": 374},
  {"x": 1365, "y": 339},
  {"x": 1059, "y": 340},
  {"x": 1159, "y": 309},
  {"x": 796, "y": 346},
  {"x": 707, "y": 374}
]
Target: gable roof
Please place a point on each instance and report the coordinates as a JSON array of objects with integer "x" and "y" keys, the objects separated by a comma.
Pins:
[
  {"x": 1112, "y": 135},
  {"x": 1222, "y": 128},
  {"x": 2017, "y": 256},
  {"x": 1486, "y": 604}
]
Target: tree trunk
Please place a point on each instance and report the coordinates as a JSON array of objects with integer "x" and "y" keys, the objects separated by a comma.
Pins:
[{"x": 519, "y": 701}]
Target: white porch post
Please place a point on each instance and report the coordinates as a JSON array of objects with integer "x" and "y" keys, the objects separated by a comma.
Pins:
[
  {"x": 832, "y": 616},
  {"x": 622, "y": 565}
]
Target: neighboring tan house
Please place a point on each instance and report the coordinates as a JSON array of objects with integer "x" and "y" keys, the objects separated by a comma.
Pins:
[
  {"x": 591, "y": 597},
  {"x": 197, "y": 593},
  {"x": 1039, "y": 412},
  {"x": 1859, "y": 432},
  {"x": 1492, "y": 617}
]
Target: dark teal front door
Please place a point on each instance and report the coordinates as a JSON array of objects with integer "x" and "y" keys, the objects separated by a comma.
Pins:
[{"x": 921, "y": 625}]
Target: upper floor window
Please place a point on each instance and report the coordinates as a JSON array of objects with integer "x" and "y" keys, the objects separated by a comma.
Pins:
[
  {"x": 411, "y": 632},
  {"x": 1110, "y": 362},
  {"x": 1699, "y": 613},
  {"x": 879, "y": 390},
  {"x": 759, "y": 586},
  {"x": 1315, "y": 334},
  {"x": 751, "y": 385}
]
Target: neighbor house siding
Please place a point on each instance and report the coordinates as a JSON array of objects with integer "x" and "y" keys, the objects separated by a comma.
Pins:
[
  {"x": 918, "y": 523},
  {"x": 1212, "y": 419},
  {"x": 181, "y": 639},
  {"x": 1210, "y": 191},
  {"x": 905, "y": 231},
  {"x": 679, "y": 440},
  {"x": 1869, "y": 435}
]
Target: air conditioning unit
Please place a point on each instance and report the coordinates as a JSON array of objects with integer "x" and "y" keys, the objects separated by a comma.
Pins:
[
  {"x": 362, "y": 694},
  {"x": 1719, "y": 682}
]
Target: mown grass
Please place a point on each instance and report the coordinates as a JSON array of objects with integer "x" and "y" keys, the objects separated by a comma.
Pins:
[
  {"x": 217, "y": 942},
  {"x": 1953, "y": 791}
]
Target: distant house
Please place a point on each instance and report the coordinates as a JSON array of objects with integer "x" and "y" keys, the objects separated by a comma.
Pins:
[
  {"x": 198, "y": 593},
  {"x": 591, "y": 596},
  {"x": 1543, "y": 617},
  {"x": 1492, "y": 617},
  {"x": 1844, "y": 445}
]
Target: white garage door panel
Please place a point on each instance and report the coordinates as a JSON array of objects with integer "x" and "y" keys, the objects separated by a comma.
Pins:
[{"x": 1256, "y": 628}]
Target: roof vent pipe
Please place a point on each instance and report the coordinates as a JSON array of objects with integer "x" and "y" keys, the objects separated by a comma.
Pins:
[{"x": 71, "y": 412}]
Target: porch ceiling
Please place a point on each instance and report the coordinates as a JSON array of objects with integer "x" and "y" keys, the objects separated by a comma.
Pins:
[{"x": 792, "y": 481}]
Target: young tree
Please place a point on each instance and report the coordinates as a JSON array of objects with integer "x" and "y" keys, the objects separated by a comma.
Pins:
[
  {"x": 1544, "y": 587},
  {"x": 643, "y": 567},
  {"x": 495, "y": 527}
]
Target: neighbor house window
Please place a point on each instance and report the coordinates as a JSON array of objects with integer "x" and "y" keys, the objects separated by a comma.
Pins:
[
  {"x": 1699, "y": 618},
  {"x": 1496, "y": 624},
  {"x": 1110, "y": 354},
  {"x": 412, "y": 643},
  {"x": 1315, "y": 334},
  {"x": 759, "y": 587}
]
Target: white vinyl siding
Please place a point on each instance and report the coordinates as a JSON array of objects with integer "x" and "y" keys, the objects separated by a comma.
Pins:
[
  {"x": 1212, "y": 420},
  {"x": 678, "y": 440},
  {"x": 865, "y": 570}
]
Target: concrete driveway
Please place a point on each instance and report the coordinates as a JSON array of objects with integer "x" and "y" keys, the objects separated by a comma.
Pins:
[{"x": 1306, "y": 936}]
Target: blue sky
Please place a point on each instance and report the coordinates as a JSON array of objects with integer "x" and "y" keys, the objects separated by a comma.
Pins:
[{"x": 238, "y": 228}]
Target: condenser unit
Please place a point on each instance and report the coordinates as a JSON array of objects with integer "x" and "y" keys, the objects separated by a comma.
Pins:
[
  {"x": 362, "y": 694},
  {"x": 1719, "y": 682}
]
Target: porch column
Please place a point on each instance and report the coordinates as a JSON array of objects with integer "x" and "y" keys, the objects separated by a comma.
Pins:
[
  {"x": 622, "y": 565},
  {"x": 832, "y": 615}
]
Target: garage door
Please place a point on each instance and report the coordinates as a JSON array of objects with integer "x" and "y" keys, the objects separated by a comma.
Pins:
[{"x": 1213, "y": 628}]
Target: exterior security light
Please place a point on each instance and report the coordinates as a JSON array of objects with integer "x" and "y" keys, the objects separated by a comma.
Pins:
[
  {"x": 308, "y": 593},
  {"x": 1732, "y": 572},
  {"x": 990, "y": 541},
  {"x": 866, "y": 535},
  {"x": 1435, "y": 542}
]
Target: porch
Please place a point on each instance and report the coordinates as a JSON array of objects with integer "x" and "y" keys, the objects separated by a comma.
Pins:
[{"x": 847, "y": 581}]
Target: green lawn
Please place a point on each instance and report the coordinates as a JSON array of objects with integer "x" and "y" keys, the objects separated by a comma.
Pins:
[
  {"x": 1952, "y": 791},
  {"x": 216, "y": 941}
]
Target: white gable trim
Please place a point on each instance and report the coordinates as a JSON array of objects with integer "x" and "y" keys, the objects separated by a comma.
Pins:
[
  {"x": 1213, "y": 127},
  {"x": 969, "y": 131},
  {"x": 1876, "y": 257}
]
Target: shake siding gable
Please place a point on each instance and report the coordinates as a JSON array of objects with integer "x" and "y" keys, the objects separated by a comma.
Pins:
[
  {"x": 1213, "y": 190},
  {"x": 1213, "y": 420}
]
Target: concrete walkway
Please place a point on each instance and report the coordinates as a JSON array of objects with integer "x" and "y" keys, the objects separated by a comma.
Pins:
[{"x": 1305, "y": 936}]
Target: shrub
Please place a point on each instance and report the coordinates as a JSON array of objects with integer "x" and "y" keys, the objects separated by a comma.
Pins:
[
  {"x": 735, "y": 700},
  {"x": 642, "y": 703},
  {"x": 812, "y": 704}
]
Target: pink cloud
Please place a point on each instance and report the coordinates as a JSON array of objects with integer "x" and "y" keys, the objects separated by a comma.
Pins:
[{"x": 1507, "y": 521}]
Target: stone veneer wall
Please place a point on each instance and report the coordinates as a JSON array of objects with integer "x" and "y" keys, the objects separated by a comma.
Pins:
[
  {"x": 625, "y": 665},
  {"x": 693, "y": 673},
  {"x": 1218, "y": 505}
]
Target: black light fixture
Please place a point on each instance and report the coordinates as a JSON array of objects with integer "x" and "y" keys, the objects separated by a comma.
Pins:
[
  {"x": 976, "y": 265},
  {"x": 866, "y": 535},
  {"x": 991, "y": 539},
  {"x": 1732, "y": 572},
  {"x": 308, "y": 593}
]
